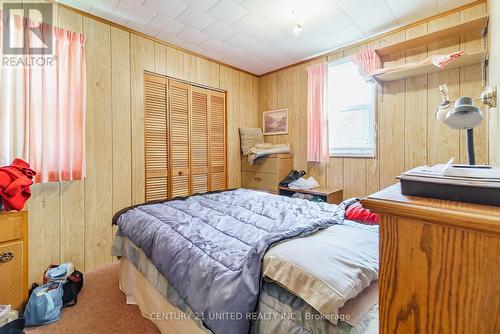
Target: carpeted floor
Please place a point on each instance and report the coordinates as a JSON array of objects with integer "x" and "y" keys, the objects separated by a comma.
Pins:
[{"x": 101, "y": 308}]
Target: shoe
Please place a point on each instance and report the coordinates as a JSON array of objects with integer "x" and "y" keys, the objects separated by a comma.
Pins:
[
  {"x": 304, "y": 184},
  {"x": 293, "y": 175}
]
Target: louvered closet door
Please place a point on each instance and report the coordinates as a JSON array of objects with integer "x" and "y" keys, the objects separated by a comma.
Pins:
[
  {"x": 199, "y": 140},
  {"x": 156, "y": 138},
  {"x": 217, "y": 140},
  {"x": 179, "y": 137}
]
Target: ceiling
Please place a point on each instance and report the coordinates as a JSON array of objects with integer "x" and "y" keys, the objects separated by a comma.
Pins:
[{"x": 258, "y": 35}]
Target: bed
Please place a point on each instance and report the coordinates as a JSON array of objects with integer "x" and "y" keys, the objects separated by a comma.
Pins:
[{"x": 243, "y": 261}]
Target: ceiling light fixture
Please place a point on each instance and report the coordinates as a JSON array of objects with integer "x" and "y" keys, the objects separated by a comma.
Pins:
[{"x": 298, "y": 29}]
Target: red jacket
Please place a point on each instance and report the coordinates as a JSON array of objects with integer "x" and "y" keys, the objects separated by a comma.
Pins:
[
  {"x": 15, "y": 182},
  {"x": 358, "y": 214}
]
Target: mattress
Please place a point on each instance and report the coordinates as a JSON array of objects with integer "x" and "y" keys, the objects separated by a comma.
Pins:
[
  {"x": 278, "y": 312},
  {"x": 210, "y": 247}
]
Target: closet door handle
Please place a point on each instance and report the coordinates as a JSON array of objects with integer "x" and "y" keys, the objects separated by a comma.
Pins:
[
  {"x": 180, "y": 173},
  {"x": 6, "y": 257},
  {"x": 258, "y": 179}
]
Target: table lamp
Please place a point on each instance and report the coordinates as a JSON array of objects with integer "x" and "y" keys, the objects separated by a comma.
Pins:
[{"x": 463, "y": 114}]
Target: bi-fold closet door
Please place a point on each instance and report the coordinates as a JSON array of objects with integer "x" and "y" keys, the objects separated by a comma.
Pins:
[{"x": 185, "y": 138}]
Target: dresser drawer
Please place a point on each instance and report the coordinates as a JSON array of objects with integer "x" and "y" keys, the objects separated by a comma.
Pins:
[
  {"x": 262, "y": 165},
  {"x": 12, "y": 289},
  {"x": 11, "y": 226},
  {"x": 263, "y": 181}
]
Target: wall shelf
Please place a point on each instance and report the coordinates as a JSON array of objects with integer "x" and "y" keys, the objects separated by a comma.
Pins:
[
  {"x": 476, "y": 24},
  {"x": 463, "y": 60}
]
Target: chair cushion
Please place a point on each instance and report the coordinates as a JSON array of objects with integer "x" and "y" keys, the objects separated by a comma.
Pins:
[{"x": 249, "y": 138}]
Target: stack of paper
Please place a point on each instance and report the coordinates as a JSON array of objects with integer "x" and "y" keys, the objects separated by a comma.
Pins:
[{"x": 479, "y": 176}]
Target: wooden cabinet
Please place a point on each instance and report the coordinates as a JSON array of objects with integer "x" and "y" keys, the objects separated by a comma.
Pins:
[
  {"x": 266, "y": 173},
  {"x": 439, "y": 264},
  {"x": 185, "y": 138},
  {"x": 14, "y": 258}
]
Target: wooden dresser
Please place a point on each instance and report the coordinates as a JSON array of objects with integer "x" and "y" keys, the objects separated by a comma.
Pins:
[
  {"x": 439, "y": 264},
  {"x": 14, "y": 258},
  {"x": 266, "y": 173}
]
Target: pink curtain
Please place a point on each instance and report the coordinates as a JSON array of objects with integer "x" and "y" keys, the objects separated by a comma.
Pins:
[
  {"x": 367, "y": 60},
  {"x": 54, "y": 104},
  {"x": 317, "y": 120}
]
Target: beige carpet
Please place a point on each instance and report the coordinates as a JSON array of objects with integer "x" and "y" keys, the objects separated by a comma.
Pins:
[{"x": 101, "y": 308}]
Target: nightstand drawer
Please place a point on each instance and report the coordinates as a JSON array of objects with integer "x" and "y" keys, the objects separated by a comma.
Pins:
[
  {"x": 11, "y": 226},
  {"x": 263, "y": 165},
  {"x": 263, "y": 181},
  {"x": 12, "y": 289}
]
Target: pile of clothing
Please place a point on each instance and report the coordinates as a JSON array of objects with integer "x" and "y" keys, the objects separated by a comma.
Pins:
[
  {"x": 9, "y": 321},
  {"x": 15, "y": 182},
  {"x": 254, "y": 147},
  {"x": 60, "y": 288}
]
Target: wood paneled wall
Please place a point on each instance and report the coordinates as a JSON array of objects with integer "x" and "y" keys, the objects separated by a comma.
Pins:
[
  {"x": 71, "y": 221},
  {"x": 408, "y": 134},
  {"x": 494, "y": 78}
]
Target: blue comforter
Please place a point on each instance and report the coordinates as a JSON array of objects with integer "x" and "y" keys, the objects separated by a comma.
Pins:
[{"x": 210, "y": 247}]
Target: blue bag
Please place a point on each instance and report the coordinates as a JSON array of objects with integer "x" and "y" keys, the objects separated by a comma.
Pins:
[{"x": 44, "y": 305}]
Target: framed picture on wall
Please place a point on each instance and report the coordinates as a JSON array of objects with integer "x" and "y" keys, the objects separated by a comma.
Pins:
[{"x": 275, "y": 122}]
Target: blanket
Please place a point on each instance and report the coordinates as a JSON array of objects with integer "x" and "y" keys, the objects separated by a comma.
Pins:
[
  {"x": 256, "y": 152},
  {"x": 210, "y": 247}
]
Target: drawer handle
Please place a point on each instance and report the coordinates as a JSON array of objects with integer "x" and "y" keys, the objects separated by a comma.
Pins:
[
  {"x": 258, "y": 179},
  {"x": 6, "y": 257},
  {"x": 181, "y": 173}
]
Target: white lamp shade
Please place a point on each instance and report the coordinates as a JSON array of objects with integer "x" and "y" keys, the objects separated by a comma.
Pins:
[{"x": 464, "y": 115}]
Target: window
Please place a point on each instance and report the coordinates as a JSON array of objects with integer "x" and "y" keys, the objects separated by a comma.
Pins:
[{"x": 351, "y": 112}]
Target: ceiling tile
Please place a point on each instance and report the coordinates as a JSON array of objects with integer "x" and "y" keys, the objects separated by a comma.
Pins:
[
  {"x": 166, "y": 25},
  {"x": 169, "y": 38},
  {"x": 130, "y": 10},
  {"x": 201, "y": 5},
  {"x": 262, "y": 8},
  {"x": 79, "y": 4},
  {"x": 193, "y": 48},
  {"x": 347, "y": 35},
  {"x": 378, "y": 18},
  {"x": 193, "y": 36},
  {"x": 142, "y": 28},
  {"x": 106, "y": 15},
  {"x": 195, "y": 19},
  {"x": 104, "y": 5},
  {"x": 170, "y": 8},
  {"x": 227, "y": 11},
  {"x": 220, "y": 30},
  {"x": 250, "y": 24},
  {"x": 257, "y": 35},
  {"x": 409, "y": 12},
  {"x": 445, "y": 5},
  {"x": 214, "y": 45},
  {"x": 315, "y": 17},
  {"x": 276, "y": 38},
  {"x": 352, "y": 7}
]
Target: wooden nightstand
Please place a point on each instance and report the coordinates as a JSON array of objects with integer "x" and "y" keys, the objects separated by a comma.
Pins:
[
  {"x": 328, "y": 195},
  {"x": 266, "y": 173},
  {"x": 439, "y": 264},
  {"x": 14, "y": 258}
]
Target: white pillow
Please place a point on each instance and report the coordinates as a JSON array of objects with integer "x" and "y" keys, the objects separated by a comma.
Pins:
[{"x": 327, "y": 268}]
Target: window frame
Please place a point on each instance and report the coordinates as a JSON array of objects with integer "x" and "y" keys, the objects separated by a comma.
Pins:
[{"x": 354, "y": 152}]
